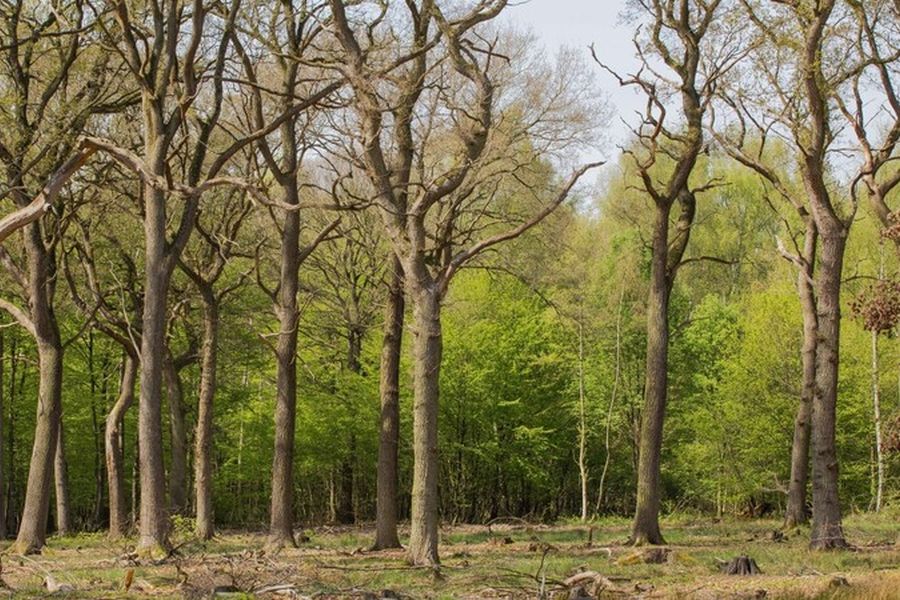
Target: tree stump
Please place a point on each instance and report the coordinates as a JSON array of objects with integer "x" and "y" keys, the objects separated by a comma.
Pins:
[
  {"x": 656, "y": 556},
  {"x": 651, "y": 556},
  {"x": 741, "y": 565},
  {"x": 579, "y": 593}
]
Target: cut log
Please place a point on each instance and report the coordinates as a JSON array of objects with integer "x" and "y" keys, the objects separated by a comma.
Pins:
[
  {"x": 588, "y": 577},
  {"x": 587, "y": 584}
]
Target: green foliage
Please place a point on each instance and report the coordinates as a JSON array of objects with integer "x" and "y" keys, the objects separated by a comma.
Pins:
[{"x": 509, "y": 425}]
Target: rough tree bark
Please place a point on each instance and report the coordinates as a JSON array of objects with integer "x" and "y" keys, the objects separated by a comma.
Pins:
[
  {"x": 218, "y": 245},
  {"x": 40, "y": 135},
  {"x": 813, "y": 137},
  {"x": 796, "y": 512},
  {"x": 38, "y": 65},
  {"x": 203, "y": 436},
  {"x": 389, "y": 431},
  {"x": 165, "y": 71},
  {"x": 115, "y": 467},
  {"x": 154, "y": 517},
  {"x": 666, "y": 259},
  {"x": 281, "y": 520},
  {"x": 429, "y": 257},
  {"x": 827, "y": 528},
  {"x": 178, "y": 468},
  {"x": 427, "y": 349},
  {"x": 3, "y": 472},
  {"x": 122, "y": 329},
  {"x": 33, "y": 528},
  {"x": 693, "y": 86},
  {"x": 646, "y": 519},
  {"x": 284, "y": 165},
  {"x": 61, "y": 482},
  {"x": 875, "y": 173}
]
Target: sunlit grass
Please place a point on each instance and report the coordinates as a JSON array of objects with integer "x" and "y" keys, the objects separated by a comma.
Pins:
[{"x": 507, "y": 560}]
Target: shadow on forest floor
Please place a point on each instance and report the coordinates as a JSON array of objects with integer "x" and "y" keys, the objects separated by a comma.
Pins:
[{"x": 501, "y": 561}]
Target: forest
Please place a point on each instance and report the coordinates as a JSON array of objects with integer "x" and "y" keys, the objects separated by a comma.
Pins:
[{"x": 368, "y": 285}]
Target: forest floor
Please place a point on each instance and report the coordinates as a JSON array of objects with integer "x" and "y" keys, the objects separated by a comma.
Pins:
[{"x": 510, "y": 560}]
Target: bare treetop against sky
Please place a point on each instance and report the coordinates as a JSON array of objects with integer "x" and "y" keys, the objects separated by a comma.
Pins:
[{"x": 577, "y": 24}]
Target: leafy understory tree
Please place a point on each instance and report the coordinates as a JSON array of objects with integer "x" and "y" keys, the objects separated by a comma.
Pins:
[{"x": 878, "y": 307}]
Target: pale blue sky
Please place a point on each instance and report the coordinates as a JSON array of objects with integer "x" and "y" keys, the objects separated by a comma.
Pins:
[{"x": 577, "y": 24}]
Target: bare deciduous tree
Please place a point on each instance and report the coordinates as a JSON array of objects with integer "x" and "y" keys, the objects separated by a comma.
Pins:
[
  {"x": 205, "y": 268},
  {"x": 293, "y": 97},
  {"x": 748, "y": 143},
  {"x": 792, "y": 91},
  {"x": 49, "y": 107},
  {"x": 423, "y": 204},
  {"x": 115, "y": 305},
  {"x": 677, "y": 35}
]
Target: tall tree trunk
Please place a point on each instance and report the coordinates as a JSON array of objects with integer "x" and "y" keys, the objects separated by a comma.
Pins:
[
  {"x": 99, "y": 470},
  {"x": 61, "y": 476},
  {"x": 135, "y": 482},
  {"x": 281, "y": 524},
  {"x": 178, "y": 438},
  {"x": 203, "y": 435},
  {"x": 876, "y": 398},
  {"x": 346, "y": 512},
  {"x": 646, "y": 517},
  {"x": 3, "y": 473},
  {"x": 582, "y": 427},
  {"x": 427, "y": 349},
  {"x": 11, "y": 524},
  {"x": 115, "y": 459},
  {"x": 612, "y": 401},
  {"x": 796, "y": 512},
  {"x": 154, "y": 518},
  {"x": 33, "y": 528},
  {"x": 827, "y": 530},
  {"x": 389, "y": 430},
  {"x": 876, "y": 407},
  {"x": 98, "y": 458}
]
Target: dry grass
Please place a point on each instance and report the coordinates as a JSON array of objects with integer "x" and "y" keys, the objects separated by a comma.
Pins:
[{"x": 507, "y": 561}]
